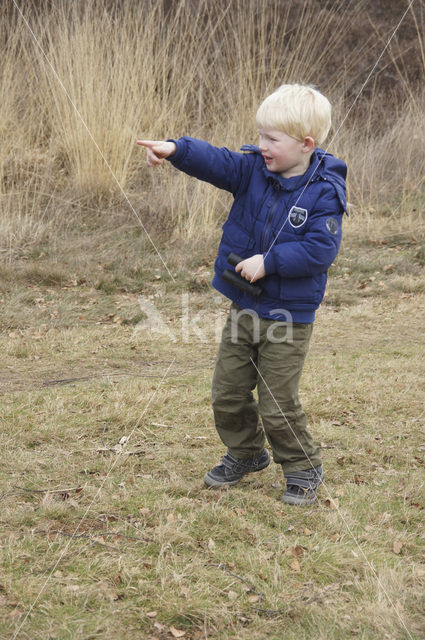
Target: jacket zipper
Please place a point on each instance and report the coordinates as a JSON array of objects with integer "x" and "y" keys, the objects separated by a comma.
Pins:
[{"x": 268, "y": 223}]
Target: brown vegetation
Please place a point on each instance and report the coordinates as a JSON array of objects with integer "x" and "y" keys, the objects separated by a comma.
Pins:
[{"x": 106, "y": 530}]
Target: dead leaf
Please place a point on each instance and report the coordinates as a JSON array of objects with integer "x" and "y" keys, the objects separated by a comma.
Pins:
[
  {"x": 254, "y": 598},
  {"x": 308, "y": 532},
  {"x": 295, "y": 566},
  {"x": 397, "y": 546},
  {"x": 332, "y": 503},
  {"x": 335, "y": 537},
  {"x": 232, "y": 595},
  {"x": 297, "y": 551},
  {"x": 177, "y": 633},
  {"x": 211, "y": 544},
  {"x": 152, "y": 614},
  {"x": 15, "y": 613}
]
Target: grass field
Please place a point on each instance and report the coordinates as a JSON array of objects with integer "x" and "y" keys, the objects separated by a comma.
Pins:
[{"x": 106, "y": 528}]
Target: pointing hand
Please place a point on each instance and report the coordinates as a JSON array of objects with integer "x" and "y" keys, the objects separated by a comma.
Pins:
[{"x": 157, "y": 150}]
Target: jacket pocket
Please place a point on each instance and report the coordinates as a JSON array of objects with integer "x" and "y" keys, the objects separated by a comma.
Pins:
[
  {"x": 308, "y": 290},
  {"x": 237, "y": 237},
  {"x": 237, "y": 240}
]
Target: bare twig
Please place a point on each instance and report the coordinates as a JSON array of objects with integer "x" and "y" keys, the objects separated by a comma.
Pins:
[
  {"x": 7, "y": 494},
  {"x": 105, "y": 426},
  {"x": 75, "y": 537},
  {"x": 26, "y": 490},
  {"x": 165, "y": 426},
  {"x": 224, "y": 567},
  {"x": 134, "y": 452}
]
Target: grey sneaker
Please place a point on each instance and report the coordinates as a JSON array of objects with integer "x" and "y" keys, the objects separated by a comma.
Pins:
[
  {"x": 231, "y": 469},
  {"x": 301, "y": 486}
]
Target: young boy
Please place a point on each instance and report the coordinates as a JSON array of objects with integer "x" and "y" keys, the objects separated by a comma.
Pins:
[{"x": 285, "y": 224}]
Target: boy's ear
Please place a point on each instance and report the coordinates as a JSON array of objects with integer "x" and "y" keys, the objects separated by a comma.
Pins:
[{"x": 308, "y": 144}]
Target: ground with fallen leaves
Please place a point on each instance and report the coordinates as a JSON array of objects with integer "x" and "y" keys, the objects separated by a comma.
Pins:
[{"x": 106, "y": 528}]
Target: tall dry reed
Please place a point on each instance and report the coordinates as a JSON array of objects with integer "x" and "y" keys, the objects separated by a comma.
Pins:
[{"x": 102, "y": 75}]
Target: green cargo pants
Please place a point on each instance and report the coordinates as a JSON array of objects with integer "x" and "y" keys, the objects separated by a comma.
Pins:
[{"x": 269, "y": 355}]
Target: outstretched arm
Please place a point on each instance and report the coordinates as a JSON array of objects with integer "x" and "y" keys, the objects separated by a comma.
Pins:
[
  {"x": 157, "y": 150},
  {"x": 224, "y": 169}
]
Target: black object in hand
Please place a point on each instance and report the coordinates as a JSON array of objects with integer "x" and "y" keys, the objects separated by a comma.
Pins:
[{"x": 236, "y": 280}]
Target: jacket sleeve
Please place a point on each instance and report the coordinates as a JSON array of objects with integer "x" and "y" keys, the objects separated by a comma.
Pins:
[
  {"x": 220, "y": 167},
  {"x": 314, "y": 251}
]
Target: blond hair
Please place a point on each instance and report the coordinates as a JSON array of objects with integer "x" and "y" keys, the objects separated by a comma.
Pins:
[{"x": 297, "y": 110}]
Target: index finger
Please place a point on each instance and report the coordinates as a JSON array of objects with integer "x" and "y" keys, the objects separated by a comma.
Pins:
[{"x": 150, "y": 144}]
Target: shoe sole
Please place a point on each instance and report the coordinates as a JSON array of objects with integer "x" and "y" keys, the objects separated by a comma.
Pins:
[
  {"x": 298, "y": 501},
  {"x": 210, "y": 482}
]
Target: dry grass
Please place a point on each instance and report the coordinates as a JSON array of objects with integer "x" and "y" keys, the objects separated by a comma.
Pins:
[
  {"x": 133, "y": 531},
  {"x": 98, "y": 78},
  {"x": 105, "y": 538}
]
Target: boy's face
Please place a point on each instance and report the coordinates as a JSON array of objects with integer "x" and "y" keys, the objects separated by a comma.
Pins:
[{"x": 283, "y": 154}]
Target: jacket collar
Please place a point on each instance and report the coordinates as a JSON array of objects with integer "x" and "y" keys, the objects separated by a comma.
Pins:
[
  {"x": 314, "y": 172},
  {"x": 323, "y": 166}
]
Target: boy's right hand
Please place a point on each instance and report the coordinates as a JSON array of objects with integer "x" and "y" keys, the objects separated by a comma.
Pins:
[{"x": 157, "y": 150}]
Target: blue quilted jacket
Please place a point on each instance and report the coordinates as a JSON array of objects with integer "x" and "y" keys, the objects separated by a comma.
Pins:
[{"x": 294, "y": 222}]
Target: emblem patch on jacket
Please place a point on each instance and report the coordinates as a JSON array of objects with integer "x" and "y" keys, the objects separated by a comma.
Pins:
[
  {"x": 332, "y": 226},
  {"x": 297, "y": 217}
]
